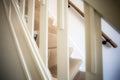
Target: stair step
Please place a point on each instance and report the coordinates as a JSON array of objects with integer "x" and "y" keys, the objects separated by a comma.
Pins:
[
  {"x": 74, "y": 67},
  {"x": 53, "y": 56},
  {"x": 52, "y": 28},
  {"x": 50, "y": 21},
  {"x": 52, "y": 40}
]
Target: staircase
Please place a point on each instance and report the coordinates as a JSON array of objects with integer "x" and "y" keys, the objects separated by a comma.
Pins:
[
  {"x": 27, "y": 52},
  {"x": 30, "y": 58},
  {"x": 52, "y": 51},
  {"x": 52, "y": 47}
]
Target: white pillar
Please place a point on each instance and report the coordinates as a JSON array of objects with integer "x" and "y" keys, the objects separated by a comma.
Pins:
[
  {"x": 93, "y": 44},
  {"x": 31, "y": 11},
  {"x": 43, "y": 39},
  {"x": 62, "y": 41}
]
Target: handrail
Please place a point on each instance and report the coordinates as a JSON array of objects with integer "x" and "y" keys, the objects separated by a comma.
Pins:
[
  {"x": 109, "y": 40},
  {"x": 82, "y": 14},
  {"x": 76, "y": 8}
]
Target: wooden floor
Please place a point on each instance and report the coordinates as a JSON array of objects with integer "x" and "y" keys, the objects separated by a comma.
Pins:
[{"x": 79, "y": 76}]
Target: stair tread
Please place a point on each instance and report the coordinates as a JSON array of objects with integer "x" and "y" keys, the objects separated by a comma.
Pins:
[
  {"x": 53, "y": 56},
  {"x": 74, "y": 67},
  {"x": 52, "y": 40}
]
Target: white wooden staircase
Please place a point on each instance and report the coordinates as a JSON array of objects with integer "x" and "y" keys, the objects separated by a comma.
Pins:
[
  {"x": 52, "y": 50},
  {"x": 28, "y": 50},
  {"x": 52, "y": 46}
]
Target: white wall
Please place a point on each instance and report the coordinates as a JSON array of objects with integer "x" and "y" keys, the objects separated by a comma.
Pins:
[
  {"x": 111, "y": 56},
  {"x": 53, "y": 10},
  {"x": 77, "y": 35},
  {"x": 10, "y": 67}
]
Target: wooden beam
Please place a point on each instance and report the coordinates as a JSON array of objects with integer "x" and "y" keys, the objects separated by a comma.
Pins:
[{"x": 103, "y": 34}]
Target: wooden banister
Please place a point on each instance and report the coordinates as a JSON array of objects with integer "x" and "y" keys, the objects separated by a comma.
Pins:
[
  {"x": 76, "y": 8},
  {"x": 109, "y": 40},
  {"x": 82, "y": 14}
]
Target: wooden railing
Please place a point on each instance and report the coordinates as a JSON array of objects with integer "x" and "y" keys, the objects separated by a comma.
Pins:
[{"x": 107, "y": 39}]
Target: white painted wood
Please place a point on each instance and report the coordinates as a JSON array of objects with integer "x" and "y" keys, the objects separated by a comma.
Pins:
[
  {"x": 44, "y": 32},
  {"x": 20, "y": 53},
  {"x": 31, "y": 11},
  {"x": 27, "y": 46},
  {"x": 22, "y": 8},
  {"x": 61, "y": 14},
  {"x": 62, "y": 41},
  {"x": 93, "y": 44},
  {"x": 98, "y": 55},
  {"x": 16, "y": 49}
]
